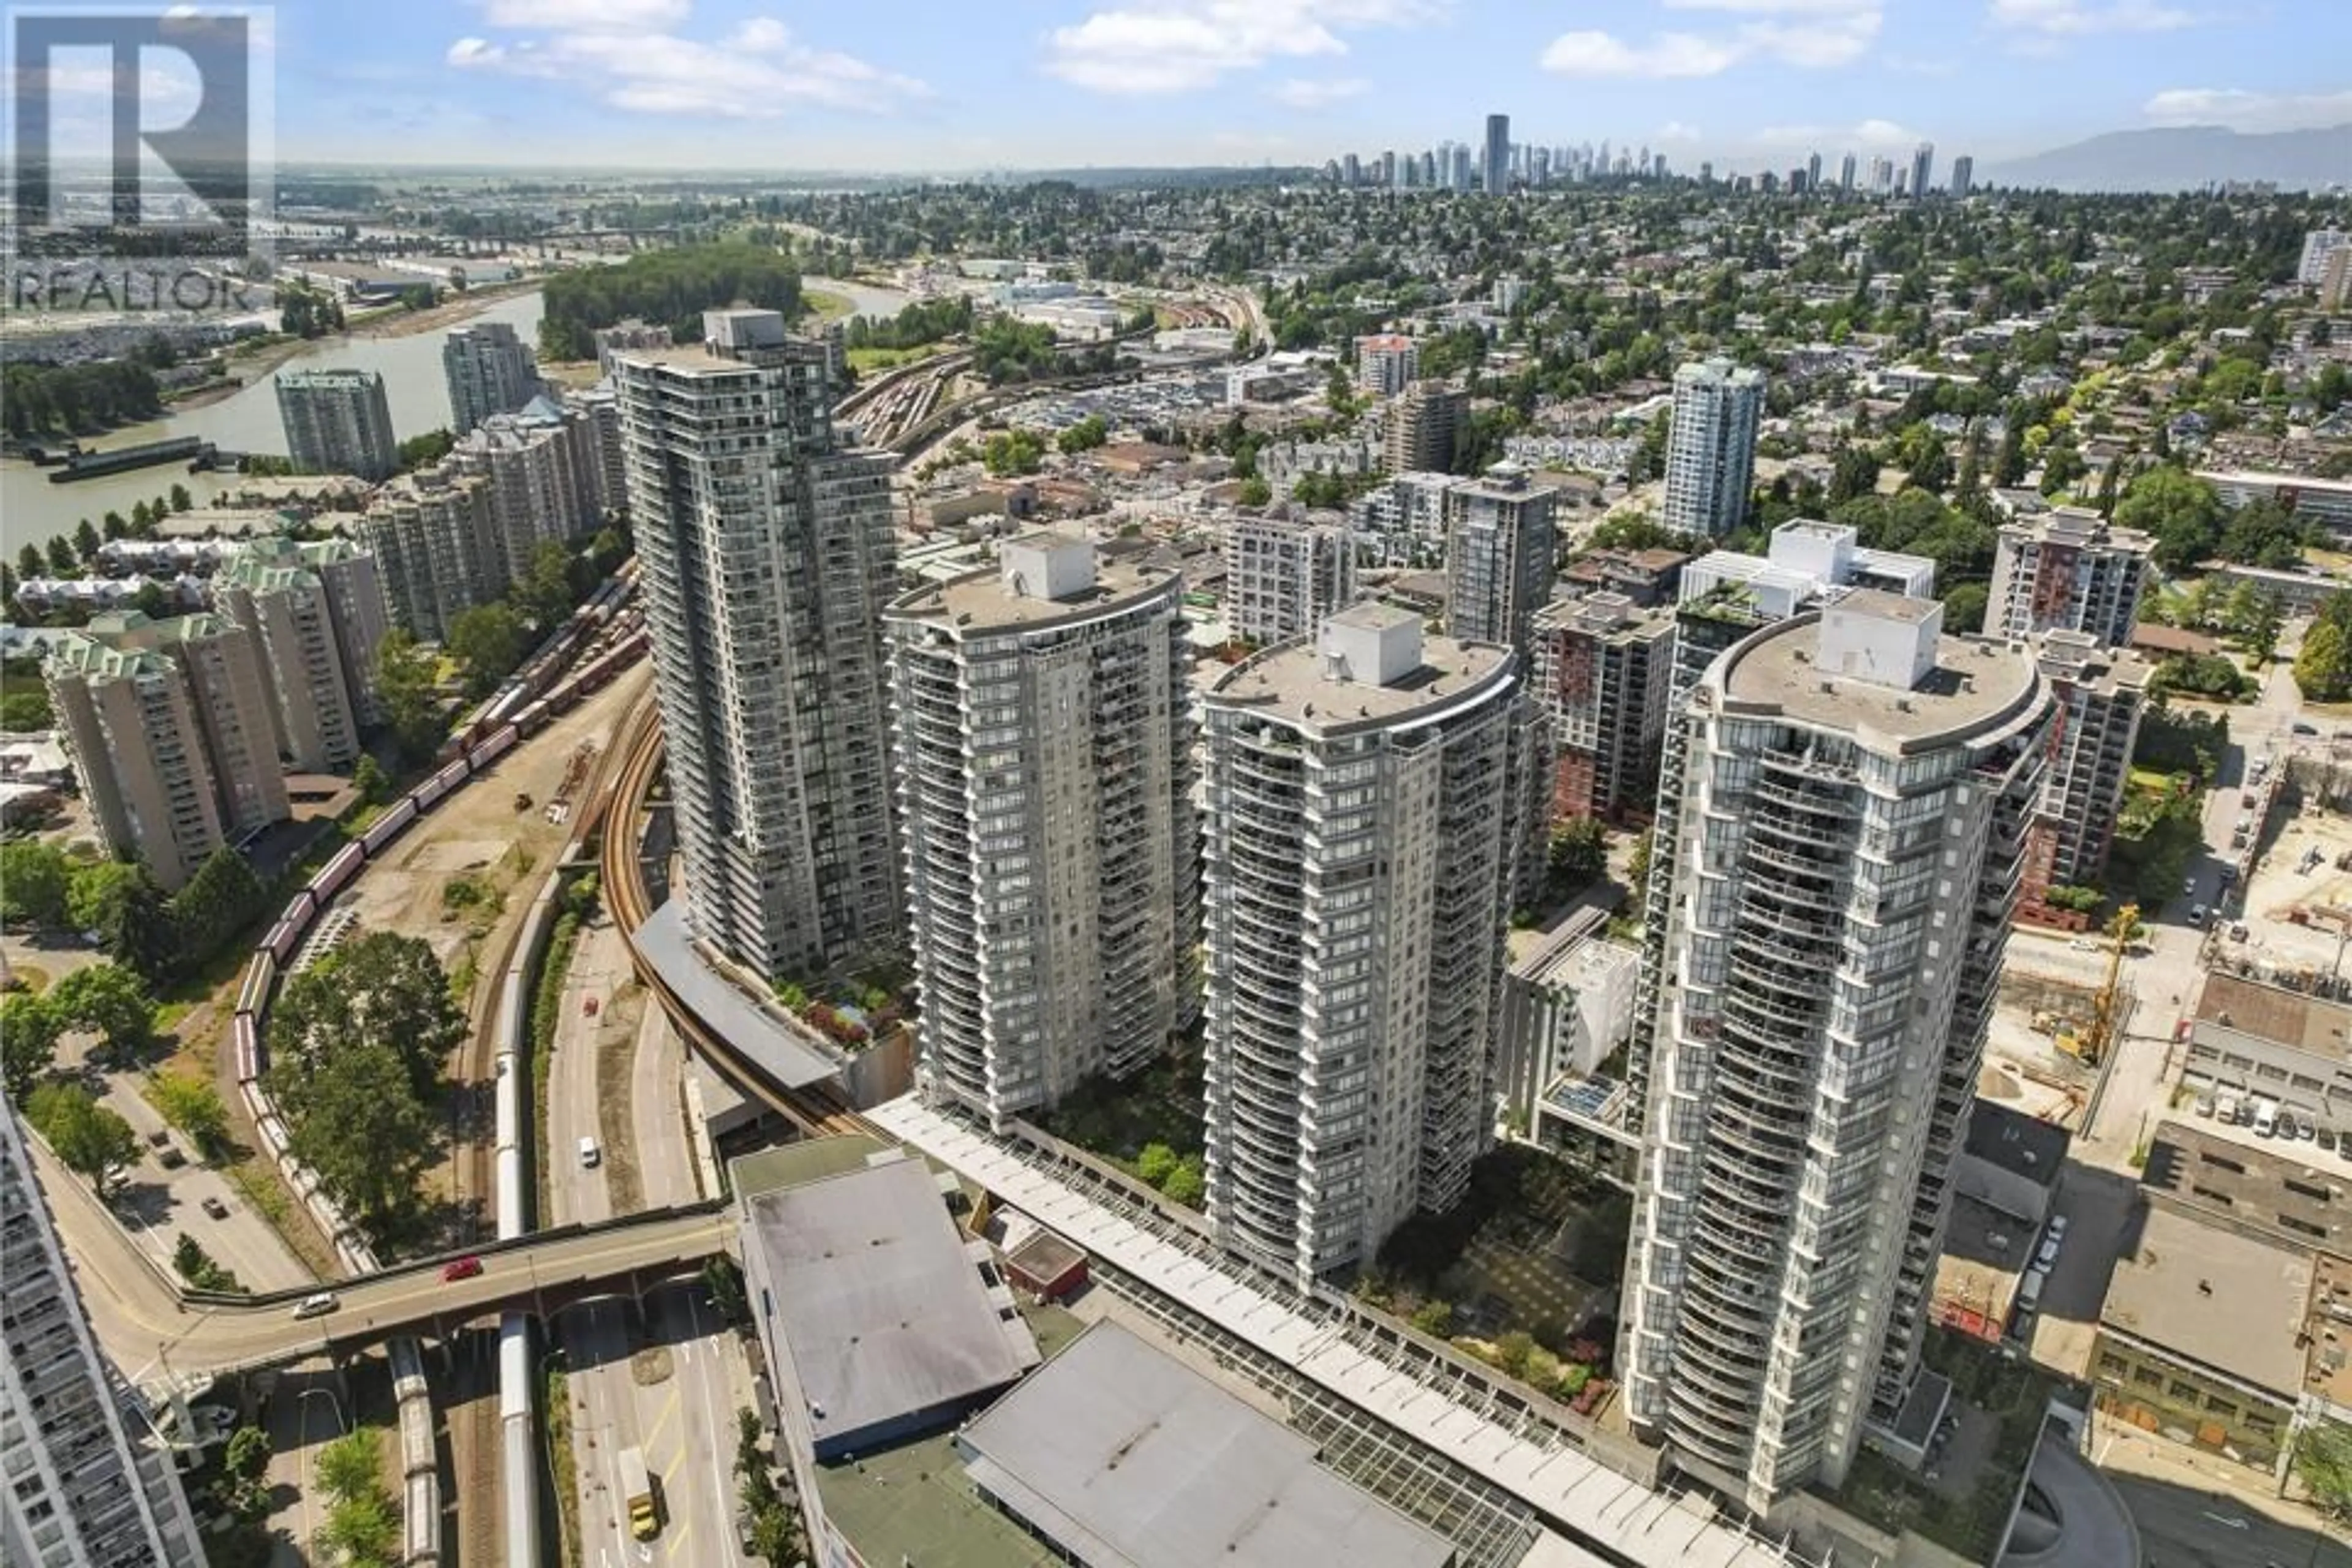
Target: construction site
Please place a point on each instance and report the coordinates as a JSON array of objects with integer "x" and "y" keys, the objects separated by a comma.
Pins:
[
  {"x": 2063, "y": 1002},
  {"x": 2298, "y": 906}
]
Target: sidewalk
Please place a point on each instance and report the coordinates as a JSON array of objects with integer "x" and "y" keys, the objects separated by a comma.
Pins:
[{"x": 2128, "y": 1451}]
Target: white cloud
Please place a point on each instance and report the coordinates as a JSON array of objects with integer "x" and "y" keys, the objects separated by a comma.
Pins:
[
  {"x": 1674, "y": 130},
  {"x": 1300, "y": 93},
  {"x": 1868, "y": 134},
  {"x": 2076, "y": 19},
  {"x": 1179, "y": 46},
  {"x": 758, "y": 72},
  {"x": 588, "y": 15},
  {"x": 2243, "y": 111},
  {"x": 1806, "y": 34}
]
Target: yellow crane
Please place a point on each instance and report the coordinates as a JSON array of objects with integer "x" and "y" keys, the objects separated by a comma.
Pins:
[{"x": 2093, "y": 1048}]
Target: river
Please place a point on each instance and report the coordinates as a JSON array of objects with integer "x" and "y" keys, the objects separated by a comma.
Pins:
[{"x": 32, "y": 510}]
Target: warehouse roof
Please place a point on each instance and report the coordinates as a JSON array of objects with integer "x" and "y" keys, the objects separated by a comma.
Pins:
[
  {"x": 1127, "y": 1458},
  {"x": 878, "y": 1302}
]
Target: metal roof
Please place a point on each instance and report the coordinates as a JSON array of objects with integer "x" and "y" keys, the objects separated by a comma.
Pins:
[{"x": 1128, "y": 1458}]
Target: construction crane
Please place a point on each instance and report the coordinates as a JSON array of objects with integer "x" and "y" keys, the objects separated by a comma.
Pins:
[{"x": 2092, "y": 1046}]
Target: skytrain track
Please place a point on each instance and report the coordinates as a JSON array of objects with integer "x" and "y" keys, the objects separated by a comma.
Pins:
[{"x": 818, "y": 1111}]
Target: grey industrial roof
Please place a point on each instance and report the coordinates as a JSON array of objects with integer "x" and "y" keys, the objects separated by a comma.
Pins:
[
  {"x": 2025, "y": 1145},
  {"x": 1128, "y": 1458},
  {"x": 2214, "y": 1296},
  {"x": 774, "y": 1048},
  {"x": 883, "y": 1312}
]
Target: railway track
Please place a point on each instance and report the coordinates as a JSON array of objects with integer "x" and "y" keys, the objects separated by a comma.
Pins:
[{"x": 817, "y": 1112}]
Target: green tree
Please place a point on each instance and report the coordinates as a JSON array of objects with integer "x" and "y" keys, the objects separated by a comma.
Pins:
[
  {"x": 2182, "y": 512},
  {"x": 2323, "y": 668},
  {"x": 63, "y": 561},
  {"x": 181, "y": 499},
  {"x": 24, "y": 711},
  {"x": 91, "y": 1139},
  {"x": 545, "y": 595},
  {"x": 86, "y": 539},
  {"x": 382, "y": 990},
  {"x": 1187, "y": 1184},
  {"x": 220, "y": 902},
  {"x": 722, "y": 1276},
  {"x": 1964, "y": 607},
  {"x": 1639, "y": 869},
  {"x": 360, "y": 1531},
  {"x": 1434, "y": 1319},
  {"x": 34, "y": 877},
  {"x": 351, "y": 1466},
  {"x": 1579, "y": 852},
  {"x": 489, "y": 640},
  {"x": 1084, "y": 436},
  {"x": 29, "y": 1028},
  {"x": 246, "y": 1458},
  {"x": 133, "y": 917},
  {"x": 30, "y": 563},
  {"x": 2323, "y": 1463},
  {"x": 1255, "y": 491},
  {"x": 357, "y": 1120},
  {"x": 1155, "y": 1164},
  {"x": 193, "y": 1106},
  {"x": 407, "y": 683},
  {"x": 109, "y": 1000},
  {"x": 424, "y": 451},
  {"x": 1514, "y": 1351},
  {"x": 374, "y": 787}
]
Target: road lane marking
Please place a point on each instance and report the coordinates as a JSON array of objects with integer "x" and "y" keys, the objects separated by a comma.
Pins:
[{"x": 669, "y": 1409}]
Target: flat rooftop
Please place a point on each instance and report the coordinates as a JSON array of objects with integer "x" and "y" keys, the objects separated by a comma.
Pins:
[
  {"x": 2017, "y": 1143},
  {"x": 1128, "y": 1458},
  {"x": 880, "y": 1305},
  {"x": 1288, "y": 681},
  {"x": 2274, "y": 1014},
  {"x": 1974, "y": 685},
  {"x": 774, "y": 1046},
  {"x": 977, "y": 604},
  {"x": 2215, "y": 1296}
]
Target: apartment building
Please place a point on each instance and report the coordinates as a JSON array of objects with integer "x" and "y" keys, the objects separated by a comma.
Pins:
[
  {"x": 2326, "y": 502},
  {"x": 1851, "y": 819},
  {"x": 1371, "y": 795},
  {"x": 1711, "y": 448},
  {"x": 767, "y": 560},
  {"x": 545, "y": 474},
  {"x": 601, "y": 406},
  {"x": 489, "y": 370},
  {"x": 338, "y": 422},
  {"x": 1419, "y": 427},
  {"x": 2067, "y": 570},
  {"x": 320, "y": 613},
  {"x": 1386, "y": 363},
  {"x": 1042, "y": 747},
  {"x": 1603, "y": 667},
  {"x": 1402, "y": 521},
  {"x": 172, "y": 733},
  {"x": 2101, "y": 695},
  {"x": 1284, "y": 576},
  {"x": 1567, "y": 1008},
  {"x": 81, "y": 1484},
  {"x": 1502, "y": 551},
  {"x": 439, "y": 547}
]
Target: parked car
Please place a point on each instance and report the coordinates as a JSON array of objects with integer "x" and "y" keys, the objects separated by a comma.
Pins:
[
  {"x": 2057, "y": 1226},
  {"x": 2196, "y": 914},
  {"x": 316, "y": 1306},
  {"x": 215, "y": 1207},
  {"x": 2204, "y": 1105},
  {"x": 170, "y": 1157},
  {"x": 461, "y": 1269}
]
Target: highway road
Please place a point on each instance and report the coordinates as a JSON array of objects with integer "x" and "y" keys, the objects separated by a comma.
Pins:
[
  {"x": 575, "y": 1100},
  {"x": 153, "y": 1336}
]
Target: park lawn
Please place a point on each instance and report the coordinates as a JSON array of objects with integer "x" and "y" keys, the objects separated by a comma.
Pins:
[
  {"x": 863, "y": 360},
  {"x": 827, "y": 305}
]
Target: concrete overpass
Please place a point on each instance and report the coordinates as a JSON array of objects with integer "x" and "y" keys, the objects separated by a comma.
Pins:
[{"x": 160, "y": 1334}]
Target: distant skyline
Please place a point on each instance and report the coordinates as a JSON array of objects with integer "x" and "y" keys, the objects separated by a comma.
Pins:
[{"x": 934, "y": 85}]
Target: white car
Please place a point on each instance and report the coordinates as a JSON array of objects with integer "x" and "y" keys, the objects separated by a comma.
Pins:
[{"x": 317, "y": 1306}]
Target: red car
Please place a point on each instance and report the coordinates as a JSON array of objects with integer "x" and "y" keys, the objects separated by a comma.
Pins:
[{"x": 463, "y": 1269}]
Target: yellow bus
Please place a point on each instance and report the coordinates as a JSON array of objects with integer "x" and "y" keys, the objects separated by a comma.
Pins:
[{"x": 638, "y": 1490}]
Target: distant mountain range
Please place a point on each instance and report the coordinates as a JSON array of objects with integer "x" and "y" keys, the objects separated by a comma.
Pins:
[{"x": 2183, "y": 158}]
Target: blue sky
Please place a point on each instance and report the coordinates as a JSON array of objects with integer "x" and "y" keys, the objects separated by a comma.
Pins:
[{"x": 953, "y": 84}]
